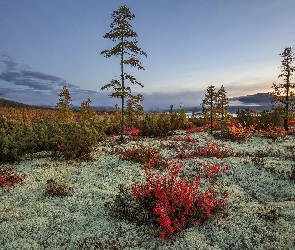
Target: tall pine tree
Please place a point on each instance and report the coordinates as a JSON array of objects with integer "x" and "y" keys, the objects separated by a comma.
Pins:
[
  {"x": 222, "y": 106},
  {"x": 209, "y": 105},
  {"x": 283, "y": 93},
  {"x": 128, "y": 52},
  {"x": 222, "y": 103}
]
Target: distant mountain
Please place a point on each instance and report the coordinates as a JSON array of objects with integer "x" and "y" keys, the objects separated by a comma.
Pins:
[
  {"x": 14, "y": 104},
  {"x": 98, "y": 108},
  {"x": 259, "y": 102},
  {"x": 259, "y": 99}
]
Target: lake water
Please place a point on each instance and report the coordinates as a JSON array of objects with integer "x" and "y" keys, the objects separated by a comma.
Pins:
[{"x": 189, "y": 114}]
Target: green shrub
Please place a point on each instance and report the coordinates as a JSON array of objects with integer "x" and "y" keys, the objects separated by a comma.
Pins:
[
  {"x": 45, "y": 131},
  {"x": 77, "y": 139},
  {"x": 156, "y": 125},
  {"x": 247, "y": 117},
  {"x": 267, "y": 118},
  {"x": 112, "y": 123},
  {"x": 16, "y": 139}
]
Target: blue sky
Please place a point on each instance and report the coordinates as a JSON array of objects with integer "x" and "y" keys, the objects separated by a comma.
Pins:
[{"x": 191, "y": 44}]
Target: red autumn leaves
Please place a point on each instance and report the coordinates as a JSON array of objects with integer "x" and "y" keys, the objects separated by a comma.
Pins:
[{"x": 176, "y": 200}]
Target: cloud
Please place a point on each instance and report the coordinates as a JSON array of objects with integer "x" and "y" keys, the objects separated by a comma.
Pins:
[
  {"x": 23, "y": 76},
  {"x": 239, "y": 103},
  {"x": 247, "y": 86},
  {"x": 24, "y": 84},
  {"x": 28, "y": 97}
]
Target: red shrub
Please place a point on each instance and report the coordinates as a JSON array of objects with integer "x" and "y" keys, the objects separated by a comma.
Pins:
[
  {"x": 272, "y": 132},
  {"x": 175, "y": 199},
  {"x": 132, "y": 131},
  {"x": 211, "y": 149},
  {"x": 212, "y": 171},
  {"x": 9, "y": 178},
  {"x": 192, "y": 128}
]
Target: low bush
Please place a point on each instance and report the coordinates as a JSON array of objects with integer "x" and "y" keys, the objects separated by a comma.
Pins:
[
  {"x": 156, "y": 125},
  {"x": 211, "y": 149},
  {"x": 56, "y": 188},
  {"x": 192, "y": 128},
  {"x": 71, "y": 139},
  {"x": 9, "y": 178},
  {"x": 272, "y": 132},
  {"x": 131, "y": 131},
  {"x": 77, "y": 139},
  {"x": 16, "y": 139},
  {"x": 238, "y": 131},
  {"x": 138, "y": 153},
  {"x": 213, "y": 171},
  {"x": 167, "y": 200}
]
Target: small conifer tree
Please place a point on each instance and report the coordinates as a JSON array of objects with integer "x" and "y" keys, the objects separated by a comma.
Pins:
[
  {"x": 86, "y": 113},
  {"x": 64, "y": 112},
  {"x": 182, "y": 121},
  {"x": 134, "y": 110}
]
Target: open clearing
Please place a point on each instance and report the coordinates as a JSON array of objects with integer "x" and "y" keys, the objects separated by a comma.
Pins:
[{"x": 260, "y": 211}]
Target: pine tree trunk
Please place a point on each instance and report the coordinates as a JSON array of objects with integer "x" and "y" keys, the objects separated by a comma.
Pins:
[
  {"x": 211, "y": 117},
  {"x": 123, "y": 90},
  {"x": 286, "y": 127}
]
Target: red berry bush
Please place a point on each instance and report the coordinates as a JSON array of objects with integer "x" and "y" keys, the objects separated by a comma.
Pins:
[
  {"x": 9, "y": 178},
  {"x": 211, "y": 149},
  {"x": 168, "y": 201}
]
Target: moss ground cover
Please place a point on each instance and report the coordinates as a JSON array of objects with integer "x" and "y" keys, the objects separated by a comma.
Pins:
[{"x": 259, "y": 213}]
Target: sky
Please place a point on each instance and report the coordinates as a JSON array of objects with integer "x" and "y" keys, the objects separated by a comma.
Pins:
[{"x": 190, "y": 45}]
